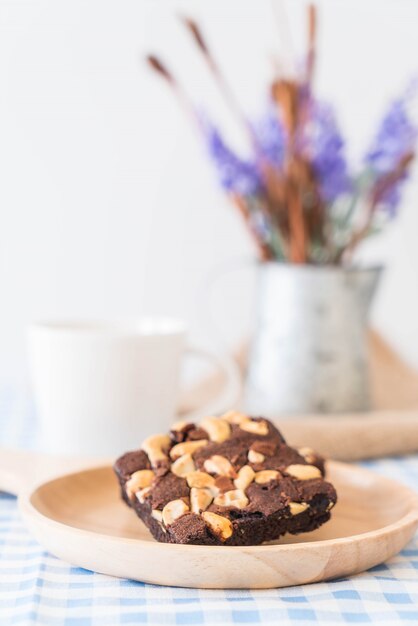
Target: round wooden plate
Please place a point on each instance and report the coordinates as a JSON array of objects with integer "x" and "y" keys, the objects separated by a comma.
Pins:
[{"x": 80, "y": 518}]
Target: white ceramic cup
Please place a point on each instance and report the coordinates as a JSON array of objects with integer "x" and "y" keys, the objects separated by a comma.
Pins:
[{"x": 102, "y": 387}]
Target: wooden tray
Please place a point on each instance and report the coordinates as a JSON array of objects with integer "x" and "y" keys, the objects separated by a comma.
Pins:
[
  {"x": 80, "y": 518},
  {"x": 390, "y": 428}
]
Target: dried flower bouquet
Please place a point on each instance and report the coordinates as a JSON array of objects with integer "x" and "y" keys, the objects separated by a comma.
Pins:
[{"x": 299, "y": 199}]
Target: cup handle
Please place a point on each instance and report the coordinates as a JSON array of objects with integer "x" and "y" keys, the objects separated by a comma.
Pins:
[{"x": 228, "y": 397}]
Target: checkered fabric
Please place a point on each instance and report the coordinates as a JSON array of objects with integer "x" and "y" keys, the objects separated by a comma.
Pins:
[{"x": 36, "y": 588}]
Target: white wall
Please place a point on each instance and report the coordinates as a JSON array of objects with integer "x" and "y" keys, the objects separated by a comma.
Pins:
[{"x": 107, "y": 206}]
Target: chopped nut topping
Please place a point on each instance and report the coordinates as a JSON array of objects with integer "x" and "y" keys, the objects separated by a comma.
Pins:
[
  {"x": 235, "y": 498},
  {"x": 183, "y": 466},
  {"x": 265, "y": 476},
  {"x": 200, "y": 499},
  {"x": 187, "y": 447},
  {"x": 303, "y": 472},
  {"x": 173, "y": 510},
  {"x": 255, "y": 457},
  {"x": 307, "y": 453},
  {"x": 257, "y": 428},
  {"x": 218, "y": 429},
  {"x": 200, "y": 480},
  {"x": 219, "y": 525},
  {"x": 156, "y": 448},
  {"x": 141, "y": 495},
  {"x": 219, "y": 465},
  {"x": 158, "y": 515},
  {"x": 234, "y": 417},
  {"x": 139, "y": 480},
  {"x": 298, "y": 507},
  {"x": 245, "y": 477}
]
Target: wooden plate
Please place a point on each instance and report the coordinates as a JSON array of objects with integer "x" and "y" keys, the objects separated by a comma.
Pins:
[{"x": 80, "y": 518}]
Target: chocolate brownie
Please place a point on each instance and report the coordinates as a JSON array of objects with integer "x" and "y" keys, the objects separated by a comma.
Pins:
[{"x": 227, "y": 481}]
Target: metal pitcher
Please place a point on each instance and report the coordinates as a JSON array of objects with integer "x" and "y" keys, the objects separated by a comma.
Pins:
[{"x": 309, "y": 349}]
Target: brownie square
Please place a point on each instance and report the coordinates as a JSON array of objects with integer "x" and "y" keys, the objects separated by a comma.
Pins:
[{"x": 231, "y": 480}]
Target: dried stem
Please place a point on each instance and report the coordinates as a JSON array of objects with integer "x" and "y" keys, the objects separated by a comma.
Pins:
[
  {"x": 155, "y": 64},
  {"x": 286, "y": 95},
  {"x": 263, "y": 249},
  {"x": 297, "y": 225},
  {"x": 380, "y": 189},
  {"x": 223, "y": 85},
  {"x": 159, "y": 68},
  {"x": 311, "y": 55}
]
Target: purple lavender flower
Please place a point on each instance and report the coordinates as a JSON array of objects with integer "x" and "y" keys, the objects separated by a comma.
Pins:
[
  {"x": 271, "y": 136},
  {"x": 236, "y": 175},
  {"x": 325, "y": 147},
  {"x": 395, "y": 137},
  {"x": 390, "y": 200}
]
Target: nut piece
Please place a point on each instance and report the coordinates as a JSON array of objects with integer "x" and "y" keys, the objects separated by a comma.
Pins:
[
  {"x": 157, "y": 514},
  {"x": 156, "y": 447},
  {"x": 266, "y": 476},
  {"x": 303, "y": 472},
  {"x": 187, "y": 447},
  {"x": 307, "y": 453},
  {"x": 219, "y": 465},
  {"x": 255, "y": 457},
  {"x": 245, "y": 477},
  {"x": 141, "y": 495},
  {"x": 330, "y": 506},
  {"x": 234, "y": 417},
  {"x": 235, "y": 498},
  {"x": 183, "y": 466},
  {"x": 219, "y": 525},
  {"x": 200, "y": 499},
  {"x": 200, "y": 480},
  {"x": 173, "y": 510},
  {"x": 298, "y": 507},
  {"x": 139, "y": 480},
  {"x": 218, "y": 429},
  {"x": 256, "y": 428}
]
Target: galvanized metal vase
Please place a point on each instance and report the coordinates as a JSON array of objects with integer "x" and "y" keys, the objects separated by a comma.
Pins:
[{"x": 309, "y": 349}]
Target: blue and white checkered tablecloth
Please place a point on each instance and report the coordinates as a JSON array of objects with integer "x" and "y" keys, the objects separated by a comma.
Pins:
[{"x": 36, "y": 588}]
